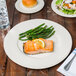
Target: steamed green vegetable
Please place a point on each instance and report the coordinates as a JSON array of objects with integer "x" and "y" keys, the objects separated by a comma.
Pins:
[{"x": 40, "y": 31}]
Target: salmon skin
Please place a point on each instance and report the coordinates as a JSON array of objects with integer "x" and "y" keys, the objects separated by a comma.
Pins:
[{"x": 30, "y": 47}]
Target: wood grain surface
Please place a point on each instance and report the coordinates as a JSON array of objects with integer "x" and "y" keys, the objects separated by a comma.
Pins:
[{"x": 8, "y": 67}]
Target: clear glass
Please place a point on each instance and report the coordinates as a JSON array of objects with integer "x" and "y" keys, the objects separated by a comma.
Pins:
[{"x": 4, "y": 20}]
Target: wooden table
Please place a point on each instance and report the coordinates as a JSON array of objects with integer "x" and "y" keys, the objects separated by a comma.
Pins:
[{"x": 8, "y": 67}]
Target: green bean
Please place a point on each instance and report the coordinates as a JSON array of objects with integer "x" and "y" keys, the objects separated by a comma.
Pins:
[
  {"x": 45, "y": 34},
  {"x": 31, "y": 30},
  {"x": 38, "y": 26},
  {"x": 23, "y": 36},
  {"x": 43, "y": 29},
  {"x": 40, "y": 35},
  {"x": 26, "y": 32},
  {"x": 23, "y": 39},
  {"x": 51, "y": 34},
  {"x": 46, "y": 30},
  {"x": 38, "y": 32},
  {"x": 49, "y": 27}
]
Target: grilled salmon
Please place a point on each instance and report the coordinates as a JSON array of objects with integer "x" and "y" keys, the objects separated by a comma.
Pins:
[{"x": 38, "y": 46}]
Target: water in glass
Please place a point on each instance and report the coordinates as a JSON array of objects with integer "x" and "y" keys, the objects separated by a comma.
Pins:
[{"x": 4, "y": 20}]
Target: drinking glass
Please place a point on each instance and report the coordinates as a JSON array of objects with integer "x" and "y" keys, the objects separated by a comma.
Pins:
[{"x": 4, "y": 20}]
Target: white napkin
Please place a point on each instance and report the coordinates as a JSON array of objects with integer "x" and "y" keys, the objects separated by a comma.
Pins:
[{"x": 72, "y": 69}]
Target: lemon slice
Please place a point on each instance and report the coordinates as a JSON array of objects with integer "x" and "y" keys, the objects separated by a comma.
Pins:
[{"x": 40, "y": 42}]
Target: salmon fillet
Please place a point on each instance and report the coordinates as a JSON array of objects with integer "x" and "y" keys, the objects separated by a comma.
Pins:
[{"x": 31, "y": 47}]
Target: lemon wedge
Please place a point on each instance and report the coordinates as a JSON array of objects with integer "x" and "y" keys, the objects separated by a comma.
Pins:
[{"x": 40, "y": 42}]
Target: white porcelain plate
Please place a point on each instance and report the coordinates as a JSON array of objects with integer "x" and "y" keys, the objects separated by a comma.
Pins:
[
  {"x": 19, "y": 6},
  {"x": 14, "y": 47},
  {"x": 54, "y": 8}
]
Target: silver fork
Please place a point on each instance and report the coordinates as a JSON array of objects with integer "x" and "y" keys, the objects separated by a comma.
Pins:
[{"x": 68, "y": 65}]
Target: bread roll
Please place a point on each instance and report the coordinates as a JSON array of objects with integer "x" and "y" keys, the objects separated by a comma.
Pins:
[{"x": 29, "y": 3}]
